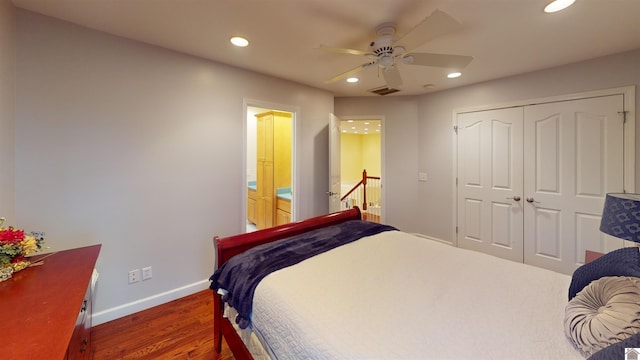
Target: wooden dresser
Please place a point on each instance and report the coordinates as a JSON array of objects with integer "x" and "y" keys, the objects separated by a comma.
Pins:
[{"x": 45, "y": 311}]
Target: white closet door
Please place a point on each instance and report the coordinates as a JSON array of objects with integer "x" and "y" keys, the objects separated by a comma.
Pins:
[
  {"x": 490, "y": 194},
  {"x": 573, "y": 156}
]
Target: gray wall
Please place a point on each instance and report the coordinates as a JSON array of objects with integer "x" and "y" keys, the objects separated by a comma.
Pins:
[
  {"x": 400, "y": 149},
  {"x": 431, "y": 210},
  {"x": 7, "y": 109},
  {"x": 141, "y": 149}
]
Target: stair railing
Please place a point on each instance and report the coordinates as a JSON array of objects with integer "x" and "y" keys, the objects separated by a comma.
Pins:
[{"x": 358, "y": 193}]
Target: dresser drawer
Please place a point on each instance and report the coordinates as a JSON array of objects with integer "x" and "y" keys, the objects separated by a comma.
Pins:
[{"x": 80, "y": 344}]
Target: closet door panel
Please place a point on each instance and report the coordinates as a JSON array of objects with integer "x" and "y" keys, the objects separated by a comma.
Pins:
[
  {"x": 473, "y": 220},
  {"x": 474, "y": 182},
  {"x": 547, "y": 154},
  {"x": 490, "y": 181},
  {"x": 548, "y": 225},
  {"x": 502, "y": 218},
  {"x": 590, "y": 154},
  {"x": 573, "y": 156},
  {"x": 471, "y": 154},
  {"x": 588, "y": 231}
]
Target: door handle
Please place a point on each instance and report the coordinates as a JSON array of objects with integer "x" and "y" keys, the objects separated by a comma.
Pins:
[
  {"x": 514, "y": 198},
  {"x": 532, "y": 200},
  {"x": 331, "y": 193}
]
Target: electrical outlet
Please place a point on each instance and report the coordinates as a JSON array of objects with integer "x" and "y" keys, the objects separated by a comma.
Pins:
[
  {"x": 422, "y": 176},
  {"x": 134, "y": 276},
  {"x": 146, "y": 273}
]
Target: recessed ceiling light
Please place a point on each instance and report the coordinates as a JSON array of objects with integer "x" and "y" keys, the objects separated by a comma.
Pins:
[
  {"x": 454, "y": 75},
  {"x": 558, "y": 5},
  {"x": 239, "y": 41},
  {"x": 353, "y": 80}
]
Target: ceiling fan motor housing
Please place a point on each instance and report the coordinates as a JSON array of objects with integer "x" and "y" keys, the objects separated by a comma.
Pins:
[{"x": 382, "y": 47}]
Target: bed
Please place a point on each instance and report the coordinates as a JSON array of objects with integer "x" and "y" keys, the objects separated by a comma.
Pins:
[{"x": 336, "y": 287}]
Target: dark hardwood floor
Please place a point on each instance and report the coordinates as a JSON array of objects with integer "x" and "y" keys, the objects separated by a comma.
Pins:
[{"x": 180, "y": 329}]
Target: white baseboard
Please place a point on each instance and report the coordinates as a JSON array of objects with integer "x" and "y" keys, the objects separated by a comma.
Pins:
[
  {"x": 107, "y": 315},
  {"x": 434, "y": 239}
]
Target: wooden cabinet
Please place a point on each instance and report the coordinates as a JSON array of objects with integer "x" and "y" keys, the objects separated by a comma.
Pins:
[
  {"x": 251, "y": 206},
  {"x": 283, "y": 211},
  {"x": 46, "y": 309},
  {"x": 273, "y": 168},
  {"x": 265, "y": 191}
]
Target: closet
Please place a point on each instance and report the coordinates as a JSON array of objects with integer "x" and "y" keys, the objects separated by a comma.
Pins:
[
  {"x": 271, "y": 203},
  {"x": 531, "y": 180}
]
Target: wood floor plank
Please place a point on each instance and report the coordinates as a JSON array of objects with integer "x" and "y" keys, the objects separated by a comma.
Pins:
[{"x": 180, "y": 329}]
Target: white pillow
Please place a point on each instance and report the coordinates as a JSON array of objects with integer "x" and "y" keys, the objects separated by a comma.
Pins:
[{"x": 605, "y": 312}]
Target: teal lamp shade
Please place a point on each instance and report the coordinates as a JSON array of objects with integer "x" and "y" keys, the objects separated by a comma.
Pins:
[{"x": 621, "y": 216}]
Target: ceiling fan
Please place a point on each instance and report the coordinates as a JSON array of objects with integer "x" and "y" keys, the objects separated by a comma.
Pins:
[{"x": 387, "y": 51}]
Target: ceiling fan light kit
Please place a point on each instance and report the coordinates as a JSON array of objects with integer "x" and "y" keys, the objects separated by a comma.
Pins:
[{"x": 388, "y": 51}]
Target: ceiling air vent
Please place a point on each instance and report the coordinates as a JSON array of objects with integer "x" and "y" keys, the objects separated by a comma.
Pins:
[{"x": 383, "y": 90}]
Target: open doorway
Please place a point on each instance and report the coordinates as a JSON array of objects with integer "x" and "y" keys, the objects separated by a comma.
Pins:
[
  {"x": 270, "y": 174},
  {"x": 361, "y": 166}
]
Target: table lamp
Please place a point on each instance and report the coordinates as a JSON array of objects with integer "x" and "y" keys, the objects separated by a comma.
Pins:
[{"x": 621, "y": 216}]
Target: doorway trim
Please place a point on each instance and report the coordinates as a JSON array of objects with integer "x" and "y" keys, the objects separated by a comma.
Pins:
[
  {"x": 629, "y": 100},
  {"x": 382, "y": 154},
  {"x": 295, "y": 176}
]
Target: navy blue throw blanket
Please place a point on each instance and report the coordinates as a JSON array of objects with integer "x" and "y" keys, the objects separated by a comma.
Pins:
[
  {"x": 620, "y": 262},
  {"x": 242, "y": 273}
]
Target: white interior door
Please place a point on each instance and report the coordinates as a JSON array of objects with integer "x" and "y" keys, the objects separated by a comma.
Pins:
[
  {"x": 573, "y": 156},
  {"x": 490, "y": 202},
  {"x": 334, "y": 163}
]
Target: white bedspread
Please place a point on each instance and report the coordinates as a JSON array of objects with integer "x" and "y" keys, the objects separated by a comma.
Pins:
[{"x": 398, "y": 296}]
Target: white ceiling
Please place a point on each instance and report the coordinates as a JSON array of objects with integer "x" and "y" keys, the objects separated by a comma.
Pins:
[{"x": 505, "y": 37}]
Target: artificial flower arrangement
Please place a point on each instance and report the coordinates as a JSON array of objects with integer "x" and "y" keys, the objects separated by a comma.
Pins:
[{"x": 15, "y": 246}]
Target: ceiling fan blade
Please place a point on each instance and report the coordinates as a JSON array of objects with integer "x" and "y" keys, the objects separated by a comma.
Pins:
[
  {"x": 457, "y": 62},
  {"x": 341, "y": 51},
  {"x": 349, "y": 73},
  {"x": 392, "y": 77},
  {"x": 434, "y": 25}
]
